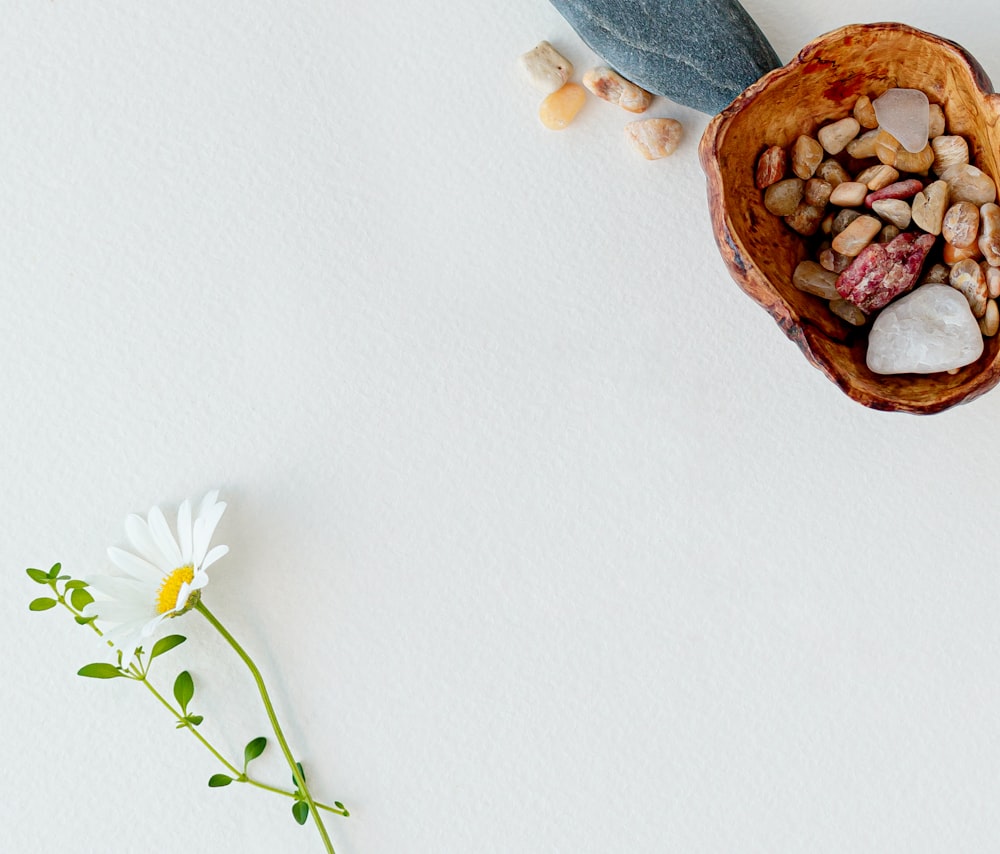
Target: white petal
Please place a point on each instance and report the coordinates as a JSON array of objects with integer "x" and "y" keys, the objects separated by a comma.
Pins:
[
  {"x": 116, "y": 611},
  {"x": 182, "y": 596},
  {"x": 127, "y": 636},
  {"x": 204, "y": 527},
  {"x": 213, "y": 556},
  {"x": 206, "y": 502},
  {"x": 160, "y": 530},
  {"x": 150, "y": 627},
  {"x": 199, "y": 581},
  {"x": 138, "y": 532},
  {"x": 136, "y": 567},
  {"x": 121, "y": 588},
  {"x": 184, "y": 531}
]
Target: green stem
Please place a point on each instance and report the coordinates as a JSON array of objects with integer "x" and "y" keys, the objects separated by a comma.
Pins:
[
  {"x": 273, "y": 718},
  {"x": 288, "y": 794}
]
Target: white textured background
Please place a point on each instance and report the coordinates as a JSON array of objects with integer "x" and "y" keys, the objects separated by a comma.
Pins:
[{"x": 546, "y": 538}]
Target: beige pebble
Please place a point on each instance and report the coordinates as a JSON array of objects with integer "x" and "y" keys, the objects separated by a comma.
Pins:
[
  {"x": 989, "y": 323},
  {"x": 989, "y": 239},
  {"x": 562, "y": 106},
  {"x": 610, "y": 86},
  {"x": 949, "y": 151},
  {"x": 844, "y": 219},
  {"x": 546, "y": 69},
  {"x": 952, "y": 254},
  {"x": 805, "y": 219},
  {"x": 811, "y": 278},
  {"x": 849, "y": 194},
  {"x": 807, "y": 154},
  {"x": 782, "y": 198},
  {"x": 929, "y": 206},
  {"x": 878, "y": 176},
  {"x": 654, "y": 138},
  {"x": 832, "y": 172},
  {"x": 960, "y": 225},
  {"x": 834, "y": 261},
  {"x": 890, "y": 151},
  {"x": 937, "y": 275},
  {"x": 848, "y": 311},
  {"x": 897, "y": 211},
  {"x": 992, "y": 275},
  {"x": 889, "y": 232},
  {"x": 935, "y": 121},
  {"x": 834, "y": 137},
  {"x": 864, "y": 112},
  {"x": 826, "y": 226},
  {"x": 771, "y": 166},
  {"x": 967, "y": 277},
  {"x": 817, "y": 192},
  {"x": 864, "y": 146},
  {"x": 857, "y": 235},
  {"x": 968, "y": 183}
]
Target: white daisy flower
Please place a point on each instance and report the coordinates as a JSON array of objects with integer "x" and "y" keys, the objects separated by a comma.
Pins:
[{"x": 164, "y": 577}]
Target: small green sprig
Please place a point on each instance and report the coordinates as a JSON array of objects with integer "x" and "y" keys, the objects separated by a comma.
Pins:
[{"x": 72, "y": 595}]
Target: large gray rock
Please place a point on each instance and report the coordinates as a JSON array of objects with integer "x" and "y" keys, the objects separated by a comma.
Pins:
[{"x": 700, "y": 53}]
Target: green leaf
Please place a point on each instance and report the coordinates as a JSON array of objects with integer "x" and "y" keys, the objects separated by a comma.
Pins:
[
  {"x": 76, "y": 582},
  {"x": 42, "y": 603},
  {"x": 218, "y": 780},
  {"x": 194, "y": 720},
  {"x": 80, "y": 598},
  {"x": 340, "y": 806},
  {"x": 166, "y": 644},
  {"x": 38, "y": 575},
  {"x": 300, "y": 809},
  {"x": 253, "y": 749},
  {"x": 184, "y": 689},
  {"x": 54, "y": 572},
  {"x": 84, "y": 620},
  {"x": 99, "y": 670},
  {"x": 303, "y": 773}
]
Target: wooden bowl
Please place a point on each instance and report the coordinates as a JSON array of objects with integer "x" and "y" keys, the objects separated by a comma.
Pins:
[{"x": 820, "y": 85}]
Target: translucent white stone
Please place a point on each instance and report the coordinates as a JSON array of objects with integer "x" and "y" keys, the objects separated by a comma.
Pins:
[
  {"x": 905, "y": 113},
  {"x": 929, "y": 330}
]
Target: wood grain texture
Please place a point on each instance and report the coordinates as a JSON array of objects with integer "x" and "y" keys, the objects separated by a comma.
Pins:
[{"x": 820, "y": 85}]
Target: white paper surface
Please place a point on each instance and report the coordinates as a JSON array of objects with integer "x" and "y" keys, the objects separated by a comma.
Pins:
[{"x": 545, "y": 537}]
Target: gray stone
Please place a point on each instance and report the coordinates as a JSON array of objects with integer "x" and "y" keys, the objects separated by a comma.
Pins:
[{"x": 699, "y": 53}]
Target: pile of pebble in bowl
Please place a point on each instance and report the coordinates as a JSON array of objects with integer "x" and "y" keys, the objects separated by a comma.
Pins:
[{"x": 890, "y": 201}]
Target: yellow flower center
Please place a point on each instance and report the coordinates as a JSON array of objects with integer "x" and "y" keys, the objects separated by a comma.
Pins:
[{"x": 167, "y": 598}]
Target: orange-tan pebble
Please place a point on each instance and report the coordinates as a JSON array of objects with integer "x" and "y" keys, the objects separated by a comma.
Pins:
[
  {"x": 992, "y": 275},
  {"x": 807, "y": 154},
  {"x": 967, "y": 276},
  {"x": 771, "y": 167},
  {"x": 561, "y": 107},
  {"x": 935, "y": 121},
  {"x": 864, "y": 112},
  {"x": 878, "y": 176},
  {"x": 857, "y": 235},
  {"x": 960, "y": 226},
  {"x": 834, "y": 137},
  {"x": 989, "y": 323},
  {"x": 989, "y": 239},
  {"x": 654, "y": 138},
  {"x": 849, "y": 194},
  {"x": 609, "y": 85},
  {"x": 952, "y": 254}
]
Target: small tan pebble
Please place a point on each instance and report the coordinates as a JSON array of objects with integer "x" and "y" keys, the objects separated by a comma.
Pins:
[
  {"x": 654, "y": 138},
  {"x": 937, "y": 275},
  {"x": 610, "y": 86},
  {"x": 834, "y": 261},
  {"x": 783, "y": 198},
  {"x": 877, "y": 177},
  {"x": 949, "y": 151},
  {"x": 864, "y": 112},
  {"x": 832, "y": 172},
  {"x": 849, "y": 194},
  {"x": 935, "y": 123},
  {"x": 890, "y": 151},
  {"x": 864, "y": 146},
  {"x": 897, "y": 211},
  {"x": 826, "y": 226},
  {"x": 771, "y": 167},
  {"x": 989, "y": 238},
  {"x": 992, "y": 275},
  {"x": 968, "y": 183},
  {"x": 857, "y": 235},
  {"x": 967, "y": 277},
  {"x": 834, "y": 137},
  {"x": 989, "y": 323},
  {"x": 952, "y": 254},
  {"x": 561, "y": 107},
  {"x": 818, "y": 192},
  {"x": 844, "y": 219},
  {"x": 848, "y": 311},
  {"x": 929, "y": 206},
  {"x": 888, "y": 232},
  {"x": 811, "y": 278},
  {"x": 546, "y": 69},
  {"x": 887, "y": 147},
  {"x": 807, "y": 154},
  {"x": 805, "y": 219},
  {"x": 960, "y": 226}
]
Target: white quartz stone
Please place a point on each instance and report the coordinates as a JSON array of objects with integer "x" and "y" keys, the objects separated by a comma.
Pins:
[
  {"x": 905, "y": 113},
  {"x": 929, "y": 330}
]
